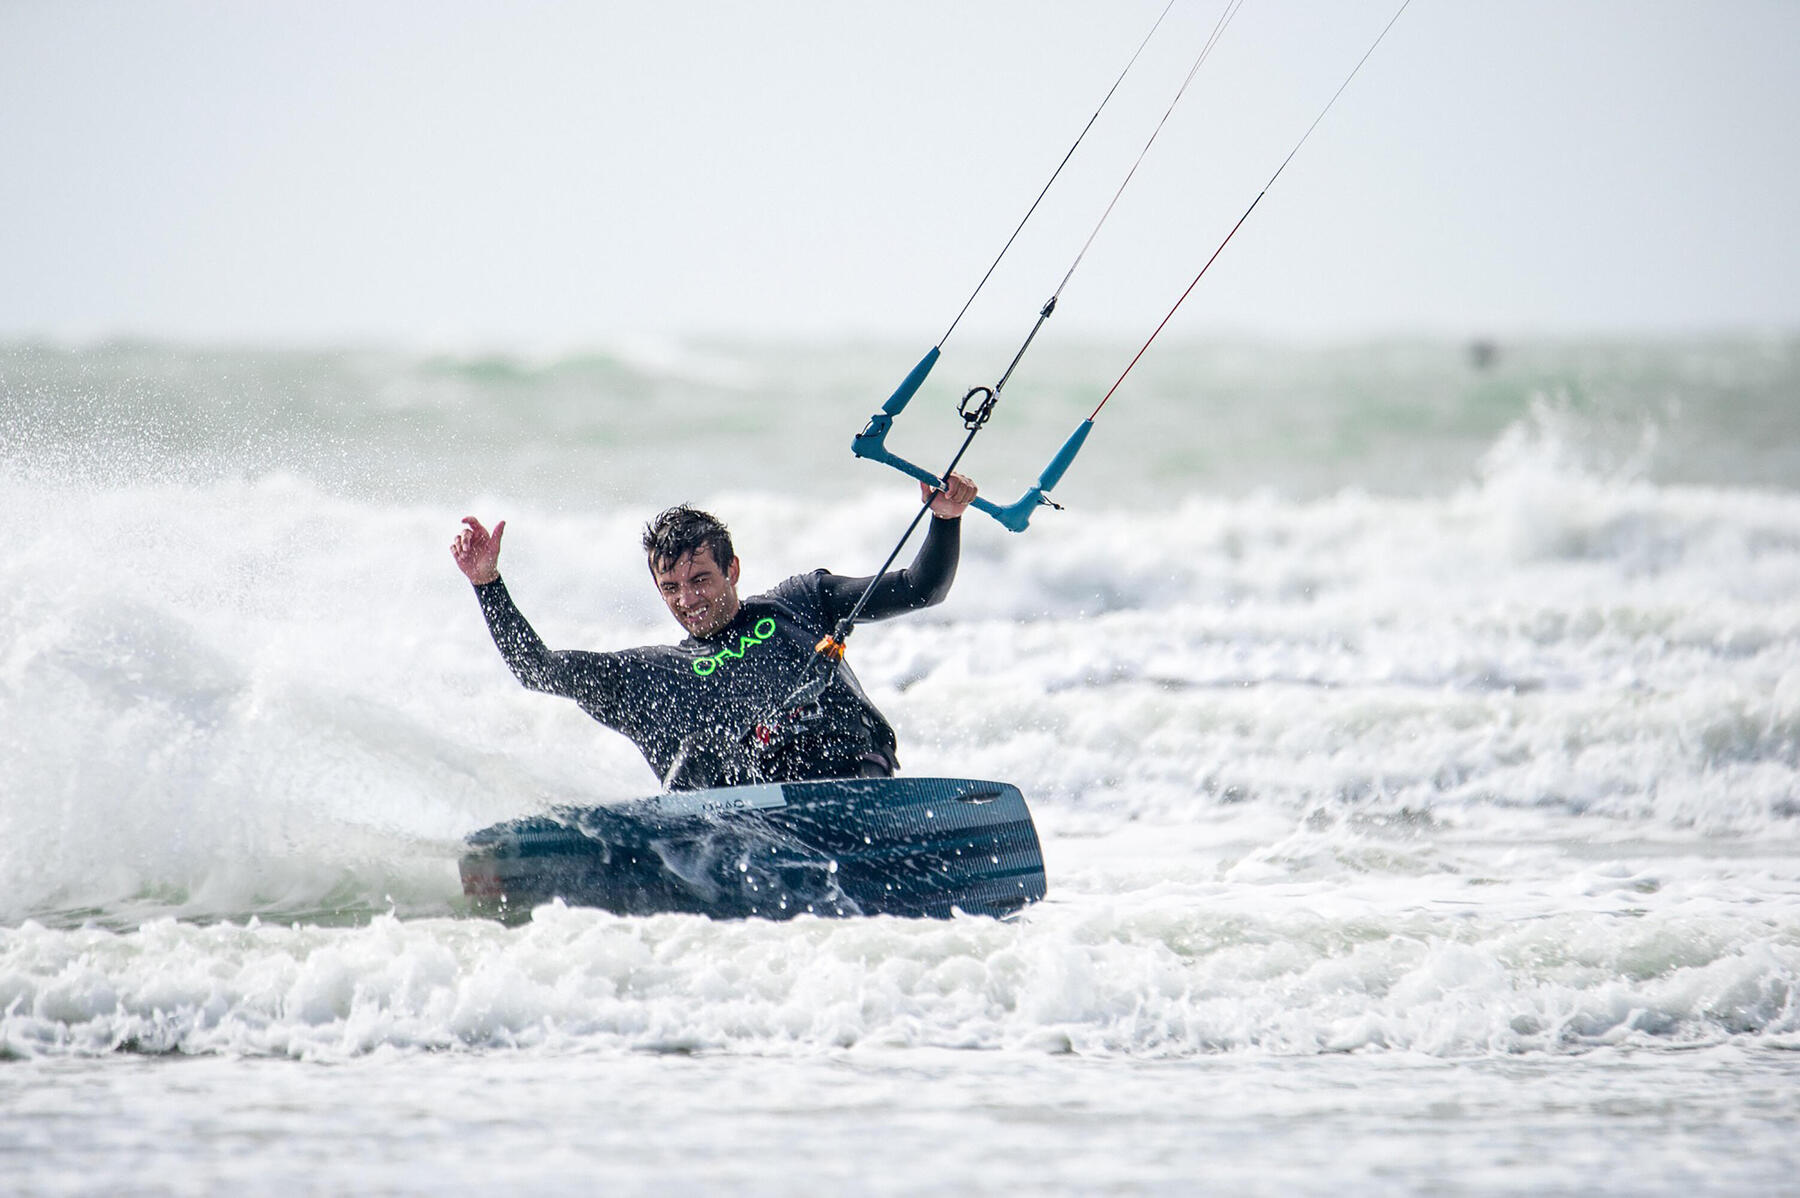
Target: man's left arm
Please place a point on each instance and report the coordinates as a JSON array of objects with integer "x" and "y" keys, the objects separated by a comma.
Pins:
[{"x": 925, "y": 582}]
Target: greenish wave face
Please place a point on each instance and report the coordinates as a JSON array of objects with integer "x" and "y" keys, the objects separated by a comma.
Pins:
[{"x": 1197, "y": 417}]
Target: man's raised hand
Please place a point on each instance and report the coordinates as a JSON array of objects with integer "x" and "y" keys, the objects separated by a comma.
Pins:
[{"x": 477, "y": 551}]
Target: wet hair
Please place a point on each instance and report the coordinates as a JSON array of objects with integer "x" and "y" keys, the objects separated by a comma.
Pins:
[{"x": 682, "y": 530}]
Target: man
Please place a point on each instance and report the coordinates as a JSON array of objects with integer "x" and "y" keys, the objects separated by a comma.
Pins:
[{"x": 719, "y": 708}]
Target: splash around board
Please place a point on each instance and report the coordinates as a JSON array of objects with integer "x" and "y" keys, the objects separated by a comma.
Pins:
[{"x": 922, "y": 847}]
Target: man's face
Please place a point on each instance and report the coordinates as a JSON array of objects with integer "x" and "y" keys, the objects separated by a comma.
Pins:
[{"x": 701, "y": 596}]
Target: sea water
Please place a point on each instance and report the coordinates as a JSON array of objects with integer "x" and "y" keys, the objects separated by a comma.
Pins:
[{"x": 1413, "y": 730}]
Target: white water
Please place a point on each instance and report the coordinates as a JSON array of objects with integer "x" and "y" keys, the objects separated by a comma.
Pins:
[{"x": 1378, "y": 819}]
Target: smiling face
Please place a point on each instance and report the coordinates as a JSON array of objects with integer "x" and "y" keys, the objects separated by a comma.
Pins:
[{"x": 702, "y": 597}]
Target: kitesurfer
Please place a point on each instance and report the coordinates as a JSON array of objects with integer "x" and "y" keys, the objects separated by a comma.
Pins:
[{"x": 707, "y": 711}]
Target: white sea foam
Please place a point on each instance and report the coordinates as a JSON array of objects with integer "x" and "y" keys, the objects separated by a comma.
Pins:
[
  {"x": 1416, "y": 765},
  {"x": 1503, "y": 767},
  {"x": 1167, "y": 971}
]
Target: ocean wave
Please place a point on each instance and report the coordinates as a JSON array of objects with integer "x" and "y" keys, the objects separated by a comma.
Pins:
[
  {"x": 268, "y": 668},
  {"x": 1500, "y": 765},
  {"x": 1153, "y": 979}
]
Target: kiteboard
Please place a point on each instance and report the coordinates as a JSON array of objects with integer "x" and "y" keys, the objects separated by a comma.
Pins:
[{"x": 922, "y": 847}]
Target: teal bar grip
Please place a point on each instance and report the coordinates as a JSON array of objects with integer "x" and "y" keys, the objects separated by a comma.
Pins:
[
  {"x": 871, "y": 443},
  {"x": 1016, "y": 516},
  {"x": 910, "y": 384},
  {"x": 1054, "y": 471}
]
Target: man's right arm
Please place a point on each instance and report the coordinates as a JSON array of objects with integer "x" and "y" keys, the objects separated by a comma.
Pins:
[
  {"x": 530, "y": 660},
  {"x": 591, "y": 679},
  {"x": 477, "y": 554},
  {"x": 602, "y": 683}
]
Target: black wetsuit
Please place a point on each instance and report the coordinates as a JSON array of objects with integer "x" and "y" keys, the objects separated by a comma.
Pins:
[{"x": 693, "y": 709}]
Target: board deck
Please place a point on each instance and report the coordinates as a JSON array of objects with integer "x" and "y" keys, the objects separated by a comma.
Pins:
[{"x": 852, "y": 846}]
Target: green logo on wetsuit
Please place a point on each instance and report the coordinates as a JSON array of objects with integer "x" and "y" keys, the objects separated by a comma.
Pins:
[{"x": 765, "y": 628}]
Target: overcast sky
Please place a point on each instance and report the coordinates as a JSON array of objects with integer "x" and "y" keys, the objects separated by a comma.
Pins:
[{"x": 562, "y": 174}]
